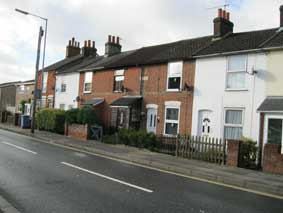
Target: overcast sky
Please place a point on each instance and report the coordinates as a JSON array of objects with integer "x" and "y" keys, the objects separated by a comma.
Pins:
[{"x": 138, "y": 22}]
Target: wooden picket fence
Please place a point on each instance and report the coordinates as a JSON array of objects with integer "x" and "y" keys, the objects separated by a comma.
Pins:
[{"x": 193, "y": 147}]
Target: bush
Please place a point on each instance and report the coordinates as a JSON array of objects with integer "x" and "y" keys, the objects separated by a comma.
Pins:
[
  {"x": 139, "y": 138},
  {"x": 52, "y": 120},
  {"x": 71, "y": 116},
  {"x": 87, "y": 115},
  {"x": 248, "y": 153},
  {"x": 22, "y": 103}
]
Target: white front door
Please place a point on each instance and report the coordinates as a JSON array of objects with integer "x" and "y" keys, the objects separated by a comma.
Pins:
[
  {"x": 204, "y": 127},
  {"x": 151, "y": 120},
  {"x": 273, "y": 130}
]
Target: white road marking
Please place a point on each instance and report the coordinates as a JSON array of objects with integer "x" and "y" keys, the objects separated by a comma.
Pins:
[
  {"x": 21, "y": 148},
  {"x": 107, "y": 177}
]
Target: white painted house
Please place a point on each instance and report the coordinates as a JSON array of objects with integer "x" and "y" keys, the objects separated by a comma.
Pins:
[
  {"x": 66, "y": 90},
  {"x": 228, "y": 91}
]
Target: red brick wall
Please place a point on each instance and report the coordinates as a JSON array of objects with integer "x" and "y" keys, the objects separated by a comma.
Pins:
[
  {"x": 51, "y": 83},
  {"x": 102, "y": 87},
  {"x": 77, "y": 131},
  {"x": 155, "y": 93},
  {"x": 233, "y": 149},
  {"x": 155, "y": 83},
  {"x": 272, "y": 159}
]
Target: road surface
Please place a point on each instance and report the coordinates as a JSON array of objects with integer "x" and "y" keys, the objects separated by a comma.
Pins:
[{"x": 37, "y": 178}]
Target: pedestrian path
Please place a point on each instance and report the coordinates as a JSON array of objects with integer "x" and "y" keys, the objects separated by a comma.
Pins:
[{"x": 253, "y": 181}]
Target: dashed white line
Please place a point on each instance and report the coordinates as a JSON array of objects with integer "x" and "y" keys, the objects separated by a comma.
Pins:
[
  {"x": 107, "y": 177},
  {"x": 19, "y": 147}
]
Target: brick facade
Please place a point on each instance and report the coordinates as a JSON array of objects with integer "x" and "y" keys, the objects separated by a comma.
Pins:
[
  {"x": 150, "y": 82},
  {"x": 233, "y": 150},
  {"x": 25, "y": 94},
  {"x": 272, "y": 159},
  {"x": 77, "y": 131},
  {"x": 50, "y": 88}
]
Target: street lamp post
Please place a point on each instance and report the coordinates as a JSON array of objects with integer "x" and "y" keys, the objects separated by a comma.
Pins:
[{"x": 43, "y": 57}]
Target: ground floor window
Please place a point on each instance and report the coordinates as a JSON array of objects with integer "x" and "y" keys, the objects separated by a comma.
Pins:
[
  {"x": 62, "y": 106},
  {"x": 274, "y": 130},
  {"x": 233, "y": 126},
  {"x": 171, "y": 120}
]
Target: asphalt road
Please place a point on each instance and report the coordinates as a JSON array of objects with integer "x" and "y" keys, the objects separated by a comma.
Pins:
[{"x": 37, "y": 177}]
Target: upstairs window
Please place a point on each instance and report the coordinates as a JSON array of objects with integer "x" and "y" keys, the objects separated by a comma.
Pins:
[
  {"x": 44, "y": 86},
  {"x": 88, "y": 82},
  {"x": 63, "y": 87},
  {"x": 118, "y": 80},
  {"x": 236, "y": 72},
  {"x": 174, "y": 78}
]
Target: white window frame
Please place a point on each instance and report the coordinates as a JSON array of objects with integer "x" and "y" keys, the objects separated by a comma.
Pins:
[
  {"x": 172, "y": 105},
  {"x": 62, "y": 104},
  {"x": 63, "y": 83},
  {"x": 236, "y": 71},
  {"x": 233, "y": 125},
  {"x": 172, "y": 76},
  {"x": 88, "y": 82},
  {"x": 266, "y": 122},
  {"x": 118, "y": 73}
]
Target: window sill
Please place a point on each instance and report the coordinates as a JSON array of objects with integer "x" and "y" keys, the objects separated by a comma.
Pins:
[
  {"x": 236, "y": 90},
  {"x": 170, "y": 136},
  {"x": 87, "y": 92},
  {"x": 117, "y": 91},
  {"x": 173, "y": 90}
]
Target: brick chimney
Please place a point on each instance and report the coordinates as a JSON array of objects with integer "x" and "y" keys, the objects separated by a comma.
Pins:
[
  {"x": 113, "y": 46},
  {"x": 73, "y": 48},
  {"x": 89, "y": 48},
  {"x": 222, "y": 24},
  {"x": 281, "y": 16}
]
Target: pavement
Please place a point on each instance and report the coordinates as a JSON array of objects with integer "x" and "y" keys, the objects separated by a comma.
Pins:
[
  {"x": 6, "y": 207},
  {"x": 257, "y": 182}
]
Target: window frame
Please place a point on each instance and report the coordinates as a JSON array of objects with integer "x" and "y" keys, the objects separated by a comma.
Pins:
[
  {"x": 62, "y": 104},
  {"x": 118, "y": 73},
  {"x": 233, "y": 125},
  {"x": 87, "y": 82},
  {"x": 236, "y": 71},
  {"x": 171, "y": 121},
  {"x": 168, "y": 76},
  {"x": 63, "y": 83}
]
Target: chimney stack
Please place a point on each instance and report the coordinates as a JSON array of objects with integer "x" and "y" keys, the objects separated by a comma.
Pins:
[
  {"x": 113, "y": 46},
  {"x": 281, "y": 16},
  {"x": 222, "y": 24},
  {"x": 89, "y": 50},
  {"x": 73, "y": 48}
]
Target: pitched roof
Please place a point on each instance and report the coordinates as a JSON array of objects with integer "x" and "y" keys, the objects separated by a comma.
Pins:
[
  {"x": 271, "y": 104},
  {"x": 179, "y": 50},
  {"x": 107, "y": 62},
  {"x": 236, "y": 42},
  {"x": 9, "y": 84},
  {"x": 275, "y": 41},
  {"x": 79, "y": 64},
  {"x": 62, "y": 63}
]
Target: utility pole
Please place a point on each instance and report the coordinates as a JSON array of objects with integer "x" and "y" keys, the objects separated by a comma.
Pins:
[{"x": 35, "y": 91}]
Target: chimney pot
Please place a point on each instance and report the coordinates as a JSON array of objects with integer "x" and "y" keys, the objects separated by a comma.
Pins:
[
  {"x": 93, "y": 44},
  {"x": 70, "y": 42},
  {"x": 73, "y": 48},
  {"x": 118, "y": 40},
  {"x": 85, "y": 43},
  {"x": 78, "y": 44},
  {"x": 224, "y": 14},
  {"x": 113, "y": 39},
  {"x": 109, "y": 38},
  {"x": 73, "y": 40},
  {"x": 228, "y": 16},
  {"x": 219, "y": 12},
  {"x": 88, "y": 43}
]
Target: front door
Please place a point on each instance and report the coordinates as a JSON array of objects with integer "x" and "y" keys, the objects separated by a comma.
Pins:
[
  {"x": 151, "y": 120},
  {"x": 204, "y": 127},
  {"x": 274, "y": 129}
]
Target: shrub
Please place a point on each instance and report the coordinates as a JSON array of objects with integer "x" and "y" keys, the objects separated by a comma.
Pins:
[
  {"x": 71, "y": 116},
  {"x": 51, "y": 120},
  {"x": 248, "y": 153},
  {"x": 87, "y": 115}
]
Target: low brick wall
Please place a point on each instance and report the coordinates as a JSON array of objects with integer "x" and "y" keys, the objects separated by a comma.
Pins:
[
  {"x": 77, "y": 131},
  {"x": 233, "y": 150},
  {"x": 272, "y": 159}
]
